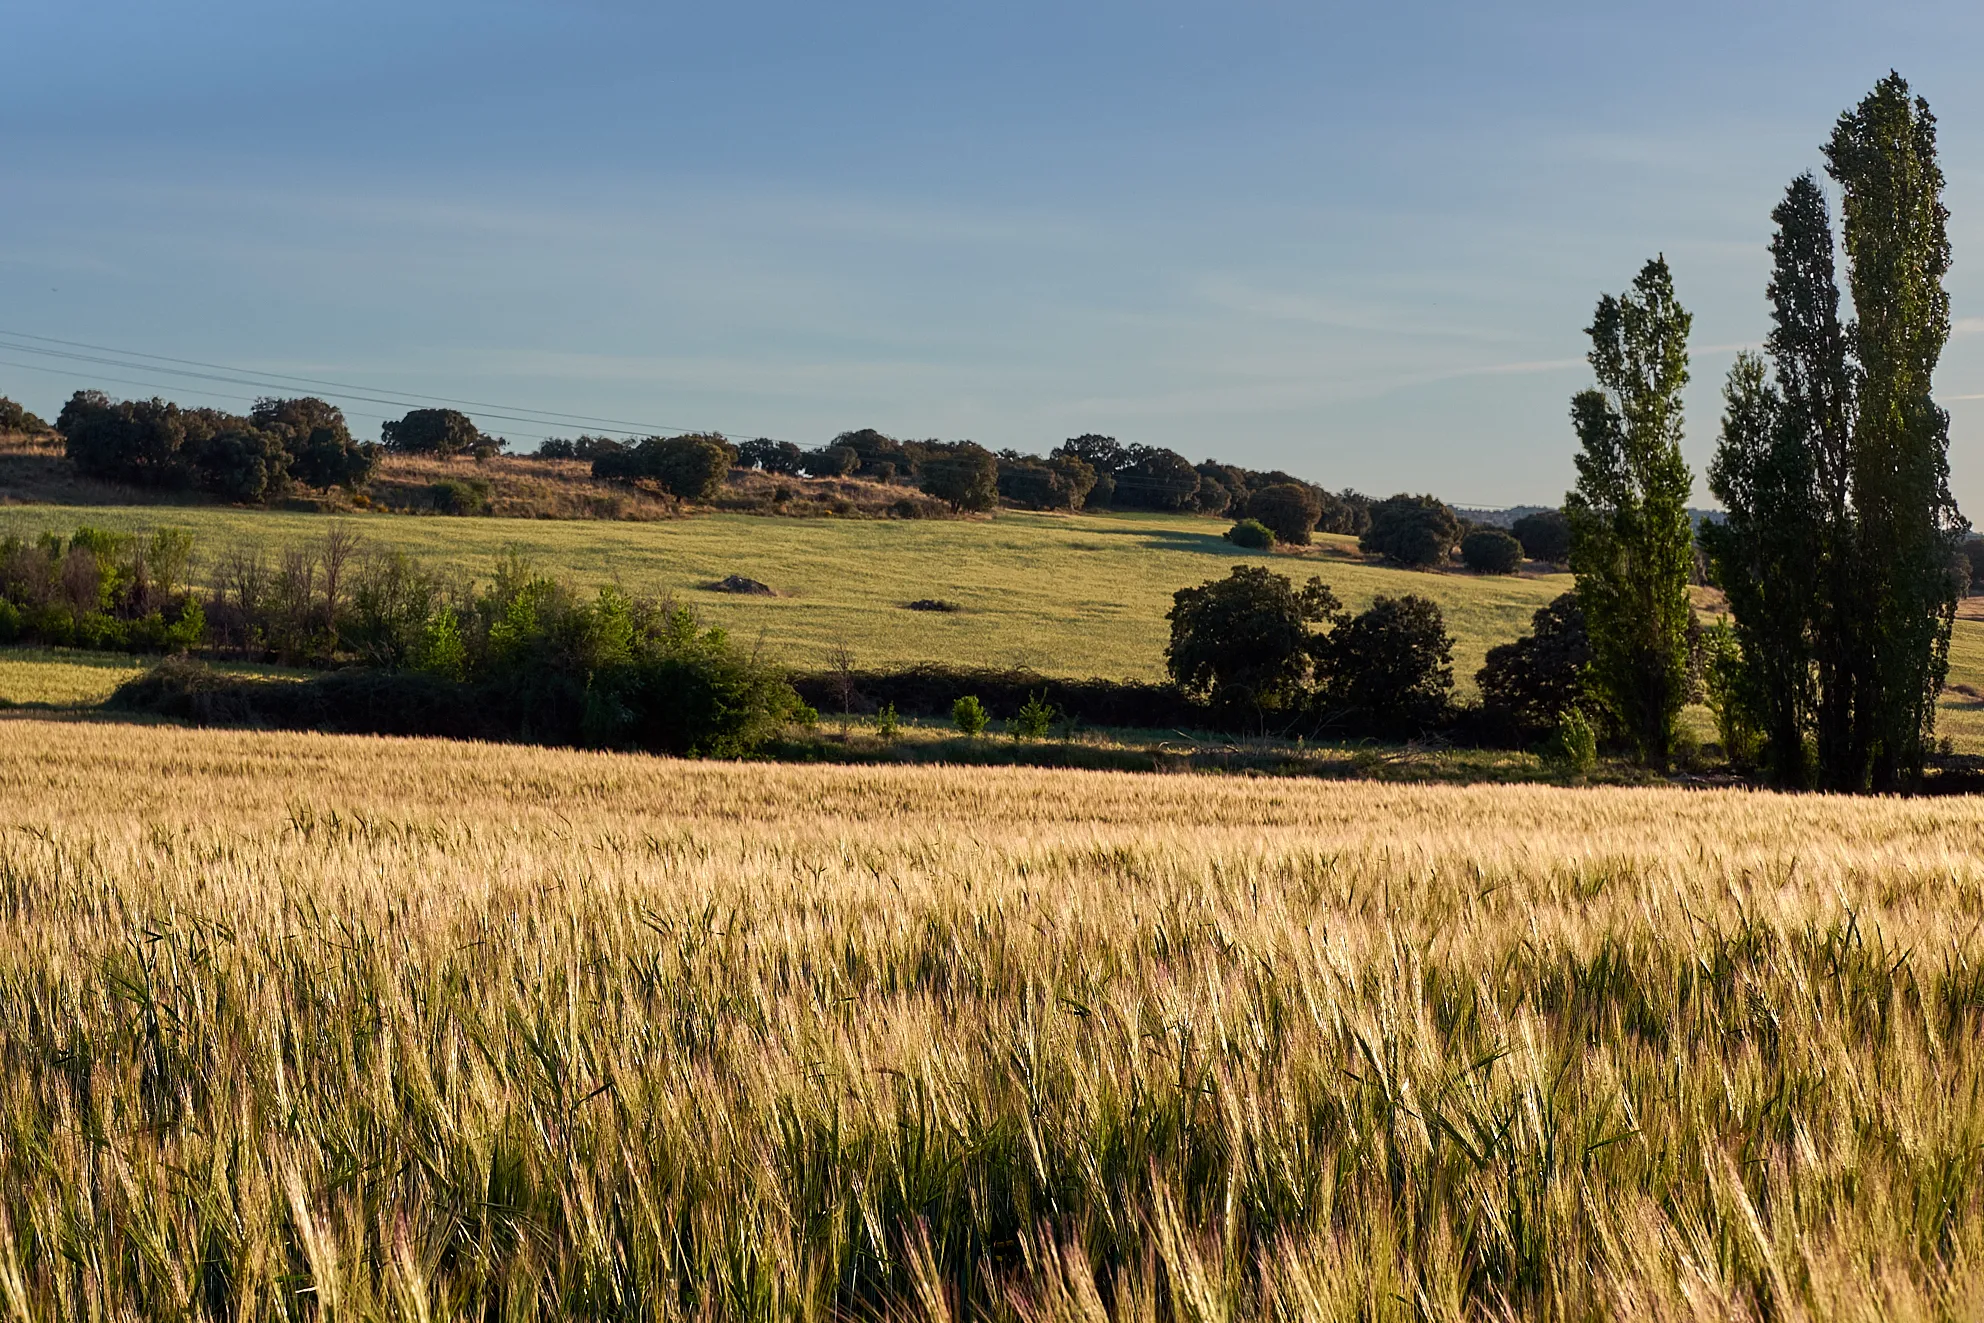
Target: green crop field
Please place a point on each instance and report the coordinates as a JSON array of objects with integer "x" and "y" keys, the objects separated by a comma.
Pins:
[{"x": 1064, "y": 594}]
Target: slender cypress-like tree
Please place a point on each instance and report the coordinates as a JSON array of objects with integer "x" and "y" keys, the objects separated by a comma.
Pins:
[
  {"x": 1631, "y": 544},
  {"x": 1883, "y": 155},
  {"x": 1765, "y": 555},
  {"x": 1785, "y": 553}
]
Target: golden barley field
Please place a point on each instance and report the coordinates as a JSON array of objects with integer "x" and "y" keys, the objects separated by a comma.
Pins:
[{"x": 306, "y": 1027}]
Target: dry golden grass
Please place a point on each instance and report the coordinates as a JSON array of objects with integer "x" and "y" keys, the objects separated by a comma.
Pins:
[{"x": 314, "y": 1027}]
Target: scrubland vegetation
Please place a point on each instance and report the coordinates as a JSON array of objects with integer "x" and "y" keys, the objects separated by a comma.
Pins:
[{"x": 310, "y": 1027}]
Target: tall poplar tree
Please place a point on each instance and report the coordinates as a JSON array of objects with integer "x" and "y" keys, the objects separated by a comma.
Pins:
[
  {"x": 1785, "y": 553},
  {"x": 1631, "y": 543},
  {"x": 1835, "y": 467},
  {"x": 1883, "y": 155}
]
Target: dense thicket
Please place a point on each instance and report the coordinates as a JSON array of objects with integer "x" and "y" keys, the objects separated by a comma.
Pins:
[
  {"x": 1632, "y": 543},
  {"x": 98, "y": 589},
  {"x": 525, "y": 656},
  {"x": 1491, "y": 551},
  {"x": 154, "y": 443},
  {"x": 1834, "y": 466}
]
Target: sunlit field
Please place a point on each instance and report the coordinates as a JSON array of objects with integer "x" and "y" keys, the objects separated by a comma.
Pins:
[
  {"x": 312, "y": 1027},
  {"x": 1075, "y": 595}
]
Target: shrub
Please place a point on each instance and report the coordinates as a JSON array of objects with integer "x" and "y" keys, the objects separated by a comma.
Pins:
[
  {"x": 778, "y": 457},
  {"x": 689, "y": 467},
  {"x": 454, "y": 496},
  {"x": 14, "y": 418},
  {"x": 1243, "y": 643},
  {"x": 829, "y": 462},
  {"x": 1532, "y": 683},
  {"x": 1035, "y": 717},
  {"x": 443, "y": 432},
  {"x": 1389, "y": 669},
  {"x": 1545, "y": 535},
  {"x": 1411, "y": 530},
  {"x": 1577, "y": 741},
  {"x": 1251, "y": 534},
  {"x": 1290, "y": 511},
  {"x": 964, "y": 477},
  {"x": 1491, "y": 551},
  {"x": 888, "y": 726},
  {"x": 968, "y": 715}
]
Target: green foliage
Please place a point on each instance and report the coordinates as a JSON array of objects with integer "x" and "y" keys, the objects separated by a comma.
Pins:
[
  {"x": 689, "y": 467},
  {"x": 1288, "y": 510},
  {"x": 1632, "y": 545},
  {"x": 1244, "y": 643},
  {"x": 1152, "y": 478},
  {"x": 1060, "y": 483},
  {"x": 1251, "y": 534},
  {"x": 1411, "y": 530},
  {"x": 1768, "y": 555},
  {"x": 1388, "y": 670},
  {"x": 14, "y": 418},
  {"x": 1035, "y": 718},
  {"x": 964, "y": 477},
  {"x": 1532, "y": 683},
  {"x": 968, "y": 715},
  {"x": 780, "y": 457},
  {"x": 1491, "y": 551},
  {"x": 102, "y": 589},
  {"x": 1545, "y": 535},
  {"x": 1577, "y": 741},
  {"x": 888, "y": 726},
  {"x": 153, "y": 443},
  {"x": 1906, "y": 525},
  {"x": 1834, "y": 468},
  {"x": 443, "y": 432},
  {"x": 458, "y": 496},
  {"x": 1733, "y": 696},
  {"x": 830, "y": 462}
]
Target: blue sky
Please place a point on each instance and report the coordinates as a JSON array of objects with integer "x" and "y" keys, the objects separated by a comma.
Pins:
[{"x": 1357, "y": 242}]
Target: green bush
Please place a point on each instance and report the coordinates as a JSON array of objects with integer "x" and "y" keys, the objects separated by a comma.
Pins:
[
  {"x": 1251, "y": 534},
  {"x": 887, "y": 724},
  {"x": 443, "y": 432},
  {"x": 1491, "y": 551},
  {"x": 1036, "y": 717},
  {"x": 1545, "y": 535},
  {"x": 968, "y": 715},
  {"x": 1577, "y": 741},
  {"x": 1289, "y": 510},
  {"x": 1244, "y": 643},
  {"x": 1411, "y": 530},
  {"x": 1389, "y": 670},
  {"x": 11, "y": 623},
  {"x": 457, "y": 496}
]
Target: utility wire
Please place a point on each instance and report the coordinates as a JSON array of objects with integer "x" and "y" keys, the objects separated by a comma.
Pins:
[{"x": 275, "y": 381}]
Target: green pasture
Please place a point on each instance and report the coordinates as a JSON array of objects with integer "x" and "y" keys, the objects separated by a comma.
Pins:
[{"x": 1070, "y": 595}]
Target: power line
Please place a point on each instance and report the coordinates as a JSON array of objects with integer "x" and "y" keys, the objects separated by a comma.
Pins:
[
  {"x": 153, "y": 385},
  {"x": 276, "y": 381},
  {"x": 270, "y": 385}
]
